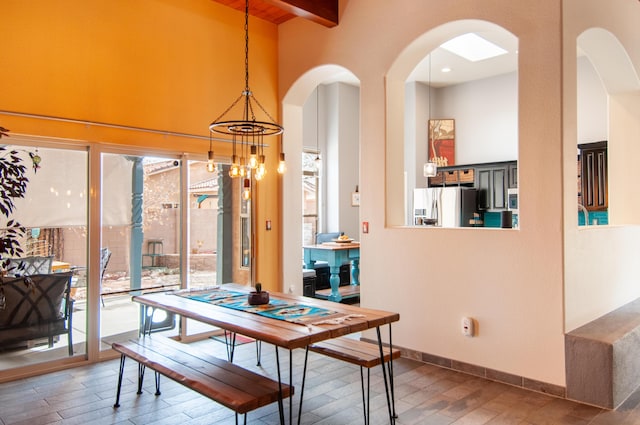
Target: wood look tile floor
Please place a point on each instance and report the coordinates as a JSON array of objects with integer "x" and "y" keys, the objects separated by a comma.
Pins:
[{"x": 425, "y": 395}]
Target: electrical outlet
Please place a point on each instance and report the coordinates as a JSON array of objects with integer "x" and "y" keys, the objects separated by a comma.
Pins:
[{"x": 467, "y": 326}]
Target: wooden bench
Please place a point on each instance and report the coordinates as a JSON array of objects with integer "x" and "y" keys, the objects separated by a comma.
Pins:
[
  {"x": 363, "y": 354},
  {"x": 234, "y": 387}
]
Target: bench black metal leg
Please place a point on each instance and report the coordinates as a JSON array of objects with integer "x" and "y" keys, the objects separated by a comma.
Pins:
[
  {"x": 157, "y": 383},
  {"x": 140, "y": 377},
  {"x": 258, "y": 352},
  {"x": 117, "y": 403},
  {"x": 365, "y": 401}
]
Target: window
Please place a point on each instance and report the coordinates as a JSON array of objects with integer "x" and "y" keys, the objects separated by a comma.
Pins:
[{"x": 310, "y": 198}]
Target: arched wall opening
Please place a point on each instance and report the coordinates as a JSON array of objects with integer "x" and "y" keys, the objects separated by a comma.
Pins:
[
  {"x": 600, "y": 261},
  {"x": 621, "y": 85},
  {"x": 483, "y": 103},
  {"x": 459, "y": 271},
  {"x": 294, "y": 141}
]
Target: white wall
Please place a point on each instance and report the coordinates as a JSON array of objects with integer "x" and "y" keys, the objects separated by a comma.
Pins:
[
  {"x": 331, "y": 115},
  {"x": 416, "y": 131},
  {"x": 601, "y": 263},
  {"x": 592, "y": 104},
  {"x": 623, "y": 153},
  {"x": 511, "y": 281},
  {"x": 486, "y": 114},
  {"x": 330, "y": 133},
  {"x": 348, "y": 103}
]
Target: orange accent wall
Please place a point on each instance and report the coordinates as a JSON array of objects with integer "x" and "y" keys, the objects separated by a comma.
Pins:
[{"x": 169, "y": 65}]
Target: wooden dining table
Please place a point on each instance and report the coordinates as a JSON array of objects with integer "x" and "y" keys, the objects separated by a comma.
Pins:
[{"x": 337, "y": 320}]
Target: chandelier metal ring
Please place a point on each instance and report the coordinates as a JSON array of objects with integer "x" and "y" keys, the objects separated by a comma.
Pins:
[
  {"x": 247, "y": 132},
  {"x": 246, "y": 128}
]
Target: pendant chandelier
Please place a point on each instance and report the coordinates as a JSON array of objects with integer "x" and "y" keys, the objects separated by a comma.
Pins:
[{"x": 247, "y": 132}]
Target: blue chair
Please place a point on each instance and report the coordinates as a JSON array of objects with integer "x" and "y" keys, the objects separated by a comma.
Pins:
[{"x": 326, "y": 237}]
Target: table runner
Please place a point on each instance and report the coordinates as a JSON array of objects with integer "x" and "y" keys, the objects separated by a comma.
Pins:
[{"x": 290, "y": 311}]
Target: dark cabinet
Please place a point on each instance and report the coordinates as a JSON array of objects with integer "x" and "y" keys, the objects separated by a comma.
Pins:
[
  {"x": 484, "y": 189},
  {"x": 593, "y": 176},
  {"x": 492, "y": 183},
  {"x": 490, "y": 179},
  {"x": 513, "y": 175}
]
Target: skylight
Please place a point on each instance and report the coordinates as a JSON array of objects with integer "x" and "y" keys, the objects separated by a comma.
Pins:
[{"x": 473, "y": 47}]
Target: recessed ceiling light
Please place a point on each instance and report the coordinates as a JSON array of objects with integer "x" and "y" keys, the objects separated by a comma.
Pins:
[
  {"x": 473, "y": 47},
  {"x": 446, "y": 69}
]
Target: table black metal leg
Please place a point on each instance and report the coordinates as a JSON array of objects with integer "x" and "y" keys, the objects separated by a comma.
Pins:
[
  {"x": 230, "y": 343},
  {"x": 304, "y": 377},
  {"x": 384, "y": 374},
  {"x": 393, "y": 396},
  {"x": 291, "y": 384},
  {"x": 148, "y": 320},
  {"x": 280, "y": 388}
]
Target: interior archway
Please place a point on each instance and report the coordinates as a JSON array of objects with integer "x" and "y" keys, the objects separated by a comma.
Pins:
[
  {"x": 293, "y": 139},
  {"x": 406, "y": 140},
  {"x": 618, "y": 122}
]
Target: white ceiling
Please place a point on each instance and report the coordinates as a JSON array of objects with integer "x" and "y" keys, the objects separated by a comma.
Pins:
[{"x": 462, "y": 70}]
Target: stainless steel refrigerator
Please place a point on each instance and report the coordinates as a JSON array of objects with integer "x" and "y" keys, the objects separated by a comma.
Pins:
[{"x": 444, "y": 206}]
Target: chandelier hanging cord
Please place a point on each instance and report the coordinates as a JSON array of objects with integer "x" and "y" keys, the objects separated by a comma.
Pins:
[
  {"x": 247, "y": 130},
  {"x": 249, "y": 123}
]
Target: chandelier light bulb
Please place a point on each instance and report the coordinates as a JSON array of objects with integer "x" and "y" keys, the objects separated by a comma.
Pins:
[
  {"x": 262, "y": 169},
  {"x": 211, "y": 166},
  {"x": 253, "y": 159},
  {"x": 234, "y": 170},
  {"x": 260, "y": 172},
  {"x": 282, "y": 166},
  {"x": 246, "y": 192},
  {"x": 242, "y": 168}
]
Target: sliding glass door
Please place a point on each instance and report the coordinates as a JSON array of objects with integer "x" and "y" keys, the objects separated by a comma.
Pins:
[
  {"x": 53, "y": 217},
  {"x": 140, "y": 240},
  {"x": 164, "y": 223}
]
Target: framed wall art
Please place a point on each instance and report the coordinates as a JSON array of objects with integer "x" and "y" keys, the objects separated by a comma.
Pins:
[{"x": 442, "y": 142}]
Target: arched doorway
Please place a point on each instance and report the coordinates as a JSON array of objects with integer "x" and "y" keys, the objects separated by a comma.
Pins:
[{"x": 302, "y": 129}]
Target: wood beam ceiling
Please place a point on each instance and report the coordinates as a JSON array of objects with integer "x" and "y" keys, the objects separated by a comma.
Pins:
[{"x": 324, "y": 12}]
